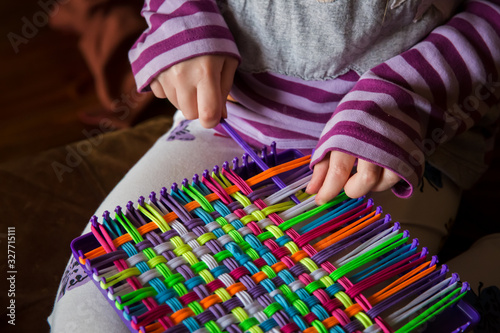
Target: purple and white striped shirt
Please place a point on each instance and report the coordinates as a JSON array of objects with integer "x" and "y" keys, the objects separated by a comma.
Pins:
[{"x": 436, "y": 101}]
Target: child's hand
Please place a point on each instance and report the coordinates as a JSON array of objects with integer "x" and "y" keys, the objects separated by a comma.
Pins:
[
  {"x": 198, "y": 87},
  {"x": 333, "y": 173}
]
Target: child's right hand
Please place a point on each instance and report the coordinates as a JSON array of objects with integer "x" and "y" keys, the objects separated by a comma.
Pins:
[{"x": 198, "y": 87}]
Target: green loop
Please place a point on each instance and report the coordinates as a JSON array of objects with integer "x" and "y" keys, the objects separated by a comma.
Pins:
[
  {"x": 291, "y": 297},
  {"x": 174, "y": 279},
  {"x": 199, "y": 266},
  {"x": 247, "y": 323},
  {"x": 301, "y": 306},
  {"x": 212, "y": 327},
  {"x": 319, "y": 326},
  {"x": 265, "y": 235},
  {"x": 313, "y": 286},
  {"x": 269, "y": 271},
  {"x": 224, "y": 254},
  {"x": 196, "y": 307},
  {"x": 272, "y": 309}
]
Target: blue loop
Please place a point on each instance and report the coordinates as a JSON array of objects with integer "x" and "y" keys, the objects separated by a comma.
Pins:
[
  {"x": 219, "y": 270},
  {"x": 191, "y": 324},
  {"x": 268, "y": 324},
  {"x": 193, "y": 282},
  {"x": 333, "y": 289},
  {"x": 174, "y": 304},
  {"x": 286, "y": 276},
  {"x": 251, "y": 268},
  {"x": 320, "y": 312},
  {"x": 281, "y": 241},
  {"x": 268, "y": 284}
]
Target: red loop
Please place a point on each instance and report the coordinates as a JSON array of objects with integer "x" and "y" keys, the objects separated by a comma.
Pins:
[
  {"x": 237, "y": 273},
  {"x": 290, "y": 328},
  {"x": 259, "y": 262},
  {"x": 214, "y": 285},
  {"x": 310, "y": 317},
  {"x": 189, "y": 297}
]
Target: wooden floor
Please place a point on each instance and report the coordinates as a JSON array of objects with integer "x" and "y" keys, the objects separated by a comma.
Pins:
[{"x": 44, "y": 85}]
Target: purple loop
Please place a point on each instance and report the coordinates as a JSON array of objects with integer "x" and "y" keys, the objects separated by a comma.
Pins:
[
  {"x": 169, "y": 234},
  {"x": 232, "y": 303},
  {"x": 257, "y": 290},
  {"x": 144, "y": 245},
  {"x": 205, "y": 317}
]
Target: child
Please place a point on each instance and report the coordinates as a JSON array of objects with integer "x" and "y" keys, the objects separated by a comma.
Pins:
[{"x": 387, "y": 86}]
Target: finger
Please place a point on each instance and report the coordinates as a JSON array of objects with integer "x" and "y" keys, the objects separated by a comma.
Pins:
[
  {"x": 318, "y": 176},
  {"x": 157, "y": 89},
  {"x": 365, "y": 178},
  {"x": 209, "y": 101},
  {"x": 187, "y": 102},
  {"x": 338, "y": 173},
  {"x": 387, "y": 180},
  {"x": 227, "y": 77}
]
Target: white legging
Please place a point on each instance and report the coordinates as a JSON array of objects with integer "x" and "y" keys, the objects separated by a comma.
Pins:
[{"x": 187, "y": 149}]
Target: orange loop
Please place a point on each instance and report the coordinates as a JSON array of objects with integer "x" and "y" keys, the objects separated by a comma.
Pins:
[
  {"x": 257, "y": 277},
  {"x": 155, "y": 328},
  {"x": 278, "y": 267},
  {"x": 330, "y": 322},
  {"x": 235, "y": 288},
  {"x": 209, "y": 301},
  {"x": 299, "y": 255},
  {"x": 178, "y": 316},
  {"x": 311, "y": 330}
]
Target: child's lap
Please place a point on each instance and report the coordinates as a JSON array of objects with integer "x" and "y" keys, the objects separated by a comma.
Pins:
[{"x": 188, "y": 149}]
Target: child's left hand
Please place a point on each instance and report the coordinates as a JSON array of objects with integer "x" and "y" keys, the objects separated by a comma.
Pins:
[{"x": 334, "y": 172}]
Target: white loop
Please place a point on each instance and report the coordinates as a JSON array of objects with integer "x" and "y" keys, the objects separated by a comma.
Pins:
[
  {"x": 212, "y": 226},
  {"x": 244, "y": 231},
  {"x": 231, "y": 217},
  {"x": 275, "y": 292},
  {"x": 264, "y": 223},
  {"x": 189, "y": 236},
  {"x": 225, "y": 321},
  {"x": 226, "y": 279},
  {"x": 179, "y": 227},
  {"x": 245, "y": 298},
  {"x": 295, "y": 285},
  {"x": 136, "y": 258},
  {"x": 250, "y": 209},
  {"x": 224, "y": 239},
  {"x": 176, "y": 262},
  {"x": 210, "y": 261},
  {"x": 200, "y": 251},
  {"x": 148, "y": 275},
  {"x": 165, "y": 246},
  {"x": 318, "y": 274}
]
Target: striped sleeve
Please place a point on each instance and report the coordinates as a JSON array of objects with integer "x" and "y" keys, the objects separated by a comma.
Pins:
[
  {"x": 400, "y": 111},
  {"x": 178, "y": 30}
]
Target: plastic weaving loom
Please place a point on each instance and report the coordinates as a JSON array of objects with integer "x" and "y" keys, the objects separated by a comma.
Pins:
[{"x": 245, "y": 249}]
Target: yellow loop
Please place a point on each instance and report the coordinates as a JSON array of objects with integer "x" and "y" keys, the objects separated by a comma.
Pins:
[
  {"x": 239, "y": 313},
  {"x": 223, "y": 294},
  {"x": 182, "y": 249},
  {"x": 364, "y": 319},
  {"x": 156, "y": 260},
  {"x": 344, "y": 299},
  {"x": 190, "y": 258},
  {"x": 277, "y": 233}
]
